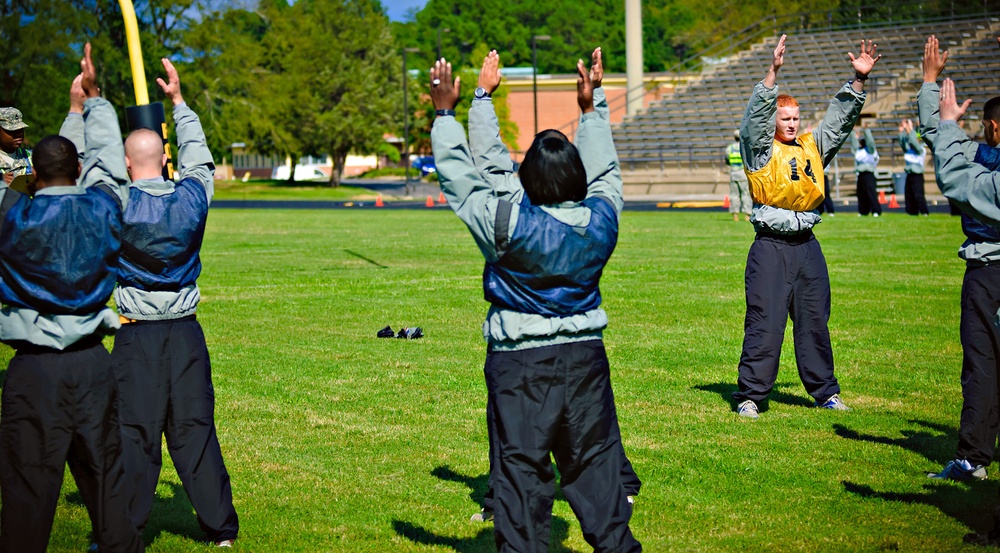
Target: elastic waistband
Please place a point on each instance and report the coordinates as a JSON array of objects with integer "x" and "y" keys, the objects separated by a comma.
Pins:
[
  {"x": 80, "y": 345},
  {"x": 126, "y": 321},
  {"x": 797, "y": 238}
]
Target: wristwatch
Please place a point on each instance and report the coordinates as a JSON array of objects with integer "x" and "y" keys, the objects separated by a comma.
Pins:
[{"x": 482, "y": 94}]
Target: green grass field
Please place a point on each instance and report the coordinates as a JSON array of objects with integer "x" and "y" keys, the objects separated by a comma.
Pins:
[
  {"x": 269, "y": 189},
  {"x": 338, "y": 441}
]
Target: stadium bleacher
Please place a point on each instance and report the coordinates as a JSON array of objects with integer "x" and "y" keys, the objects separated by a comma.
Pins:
[{"x": 675, "y": 145}]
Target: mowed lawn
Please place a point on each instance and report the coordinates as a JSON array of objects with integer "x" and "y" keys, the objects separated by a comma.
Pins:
[{"x": 339, "y": 441}]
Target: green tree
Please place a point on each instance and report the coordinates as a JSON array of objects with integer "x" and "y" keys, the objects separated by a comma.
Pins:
[{"x": 343, "y": 63}]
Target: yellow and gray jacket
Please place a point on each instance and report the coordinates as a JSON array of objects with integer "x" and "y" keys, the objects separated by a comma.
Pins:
[
  {"x": 791, "y": 209},
  {"x": 479, "y": 183},
  {"x": 734, "y": 160}
]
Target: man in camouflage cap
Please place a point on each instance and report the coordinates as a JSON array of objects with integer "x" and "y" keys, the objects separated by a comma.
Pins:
[{"x": 15, "y": 160}]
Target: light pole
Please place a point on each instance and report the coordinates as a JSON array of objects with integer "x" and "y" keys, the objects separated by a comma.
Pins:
[
  {"x": 534, "y": 73},
  {"x": 406, "y": 123}
]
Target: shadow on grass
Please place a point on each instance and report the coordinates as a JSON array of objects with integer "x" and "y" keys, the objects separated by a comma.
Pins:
[
  {"x": 363, "y": 258},
  {"x": 936, "y": 445},
  {"x": 483, "y": 542},
  {"x": 479, "y": 485},
  {"x": 173, "y": 515},
  {"x": 726, "y": 389},
  {"x": 973, "y": 507}
]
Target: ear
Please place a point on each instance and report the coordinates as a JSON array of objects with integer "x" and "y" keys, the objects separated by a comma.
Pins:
[
  {"x": 128, "y": 163},
  {"x": 163, "y": 162},
  {"x": 79, "y": 170}
]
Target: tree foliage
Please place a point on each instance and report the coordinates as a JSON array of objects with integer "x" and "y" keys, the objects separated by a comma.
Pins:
[{"x": 672, "y": 29}]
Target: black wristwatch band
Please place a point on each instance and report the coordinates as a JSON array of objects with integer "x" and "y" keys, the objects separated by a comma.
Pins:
[
  {"x": 860, "y": 77},
  {"x": 445, "y": 112}
]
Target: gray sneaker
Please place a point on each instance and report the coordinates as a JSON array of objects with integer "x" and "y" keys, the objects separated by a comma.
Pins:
[
  {"x": 833, "y": 402},
  {"x": 482, "y": 516},
  {"x": 748, "y": 409},
  {"x": 961, "y": 470}
]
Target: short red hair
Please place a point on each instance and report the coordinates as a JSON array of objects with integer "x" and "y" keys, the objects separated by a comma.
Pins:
[{"x": 785, "y": 101}]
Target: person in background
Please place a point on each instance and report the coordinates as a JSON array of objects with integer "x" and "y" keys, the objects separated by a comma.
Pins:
[
  {"x": 913, "y": 156},
  {"x": 739, "y": 187},
  {"x": 865, "y": 162}
]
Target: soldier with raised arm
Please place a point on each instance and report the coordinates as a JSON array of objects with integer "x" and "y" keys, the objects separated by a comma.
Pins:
[
  {"x": 786, "y": 272},
  {"x": 544, "y": 258},
  {"x": 979, "y": 424},
  {"x": 160, "y": 357},
  {"x": 57, "y": 271},
  {"x": 492, "y": 159}
]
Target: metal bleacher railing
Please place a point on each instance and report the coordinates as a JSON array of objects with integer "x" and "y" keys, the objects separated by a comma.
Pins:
[{"x": 688, "y": 128}]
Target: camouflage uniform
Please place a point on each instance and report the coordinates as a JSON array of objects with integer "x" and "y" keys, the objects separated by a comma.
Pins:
[{"x": 17, "y": 162}]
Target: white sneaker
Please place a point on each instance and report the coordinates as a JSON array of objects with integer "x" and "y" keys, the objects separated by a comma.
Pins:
[{"x": 748, "y": 409}]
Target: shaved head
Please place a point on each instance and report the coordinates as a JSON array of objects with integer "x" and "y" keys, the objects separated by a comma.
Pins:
[{"x": 144, "y": 154}]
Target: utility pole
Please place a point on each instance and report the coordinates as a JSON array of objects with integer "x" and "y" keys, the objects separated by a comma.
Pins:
[{"x": 633, "y": 56}]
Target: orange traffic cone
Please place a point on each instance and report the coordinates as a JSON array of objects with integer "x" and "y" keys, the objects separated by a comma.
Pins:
[
  {"x": 881, "y": 197},
  {"x": 725, "y": 202},
  {"x": 378, "y": 201},
  {"x": 893, "y": 204},
  {"x": 441, "y": 199},
  {"x": 430, "y": 201}
]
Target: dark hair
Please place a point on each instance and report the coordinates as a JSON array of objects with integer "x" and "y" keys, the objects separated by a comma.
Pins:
[
  {"x": 55, "y": 157},
  {"x": 552, "y": 171},
  {"x": 991, "y": 111}
]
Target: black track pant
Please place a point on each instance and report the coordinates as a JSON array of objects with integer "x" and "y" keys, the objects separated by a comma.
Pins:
[
  {"x": 980, "y": 422},
  {"x": 165, "y": 379},
  {"x": 867, "y": 194},
  {"x": 827, "y": 205},
  {"x": 786, "y": 276},
  {"x": 556, "y": 399},
  {"x": 914, "y": 190},
  {"x": 629, "y": 478},
  {"x": 59, "y": 406}
]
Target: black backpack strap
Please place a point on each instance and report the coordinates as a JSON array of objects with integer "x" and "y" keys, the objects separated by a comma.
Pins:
[
  {"x": 107, "y": 190},
  {"x": 10, "y": 198},
  {"x": 142, "y": 259},
  {"x": 500, "y": 227}
]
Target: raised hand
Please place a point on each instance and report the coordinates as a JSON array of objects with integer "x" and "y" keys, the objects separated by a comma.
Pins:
[
  {"x": 933, "y": 60},
  {"x": 778, "y": 58},
  {"x": 88, "y": 74},
  {"x": 948, "y": 104},
  {"x": 866, "y": 59},
  {"x": 584, "y": 88},
  {"x": 444, "y": 91},
  {"x": 489, "y": 76},
  {"x": 76, "y": 95},
  {"x": 172, "y": 88},
  {"x": 596, "y": 68}
]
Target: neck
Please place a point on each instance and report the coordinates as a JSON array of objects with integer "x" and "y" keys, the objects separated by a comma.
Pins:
[
  {"x": 10, "y": 151},
  {"x": 144, "y": 174},
  {"x": 59, "y": 181}
]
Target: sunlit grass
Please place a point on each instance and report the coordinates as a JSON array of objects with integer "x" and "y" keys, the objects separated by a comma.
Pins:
[{"x": 339, "y": 441}]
